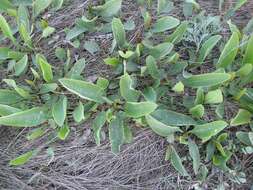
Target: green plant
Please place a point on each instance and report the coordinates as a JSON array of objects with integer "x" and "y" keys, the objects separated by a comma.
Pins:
[{"x": 143, "y": 95}]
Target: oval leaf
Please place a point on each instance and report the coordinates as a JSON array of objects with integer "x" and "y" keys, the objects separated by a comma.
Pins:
[
  {"x": 85, "y": 90},
  {"x": 139, "y": 109},
  {"x": 59, "y": 110},
  {"x": 165, "y": 23},
  {"x": 207, "y": 130},
  {"x": 206, "y": 80},
  {"x": 28, "y": 118}
]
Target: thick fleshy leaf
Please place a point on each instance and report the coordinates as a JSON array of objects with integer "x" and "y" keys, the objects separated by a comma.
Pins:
[
  {"x": 109, "y": 9},
  {"x": 152, "y": 67},
  {"x": 59, "y": 110},
  {"x": 206, "y": 80},
  {"x": 46, "y": 69},
  {"x": 161, "y": 50},
  {"x": 172, "y": 118},
  {"x": 165, "y": 23},
  {"x": 21, "y": 91},
  {"x": 161, "y": 128},
  {"x": 49, "y": 30},
  {"x": 4, "y": 26},
  {"x": 36, "y": 133},
  {"x": 119, "y": 32},
  {"x": 150, "y": 94},
  {"x": 77, "y": 69},
  {"x": 85, "y": 90},
  {"x": 214, "y": 97},
  {"x": 78, "y": 113},
  {"x": 22, "y": 159},
  {"x": 116, "y": 134},
  {"x": 164, "y": 6},
  {"x": 208, "y": 130},
  {"x": 40, "y": 6},
  {"x": 200, "y": 96},
  {"x": 178, "y": 34},
  {"x": 229, "y": 52},
  {"x": 126, "y": 89},
  {"x": 207, "y": 47},
  {"x": 28, "y": 118},
  {"x": 175, "y": 160},
  {"x": 197, "y": 111},
  {"x": 178, "y": 87},
  {"x": 9, "y": 97},
  {"x": 241, "y": 118},
  {"x": 21, "y": 66},
  {"x": 139, "y": 109},
  {"x": 8, "y": 110},
  {"x": 245, "y": 70},
  {"x": 97, "y": 125},
  {"x": 57, "y": 4},
  {"x": 49, "y": 87},
  {"x": 63, "y": 132},
  {"x": 248, "y": 57},
  {"x": 244, "y": 138},
  {"x": 194, "y": 153},
  {"x": 4, "y": 53}
]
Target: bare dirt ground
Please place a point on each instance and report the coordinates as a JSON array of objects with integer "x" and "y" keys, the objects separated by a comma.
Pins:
[{"x": 78, "y": 164}]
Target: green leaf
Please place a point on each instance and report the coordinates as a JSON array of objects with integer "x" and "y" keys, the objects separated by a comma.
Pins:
[
  {"x": 8, "y": 110},
  {"x": 59, "y": 110},
  {"x": 21, "y": 91},
  {"x": 126, "y": 55},
  {"x": 40, "y": 6},
  {"x": 178, "y": 34},
  {"x": 245, "y": 70},
  {"x": 22, "y": 159},
  {"x": 85, "y": 90},
  {"x": 103, "y": 83},
  {"x": 161, "y": 50},
  {"x": 28, "y": 118},
  {"x": 176, "y": 160},
  {"x": 200, "y": 96},
  {"x": 116, "y": 133},
  {"x": 63, "y": 132},
  {"x": 25, "y": 35},
  {"x": 194, "y": 153},
  {"x": 206, "y": 80},
  {"x": 46, "y": 69},
  {"x": 172, "y": 118},
  {"x": 97, "y": 125},
  {"x": 48, "y": 31},
  {"x": 208, "y": 130},
  {"x": 5, "y": 5},
  {"x": 21, "y": 66},
  {"x": 248, "y": 57},
  {"x": 198, "y": 111},
  {"x": 161, "y": 128},
  {"x": 207, "y": 47},
  {"x": 112, "y": 61},
  {"x": 4, "y": 53},
  {"x": 57, "y": 4},
  {"x": 50, "y": 87},
  {"x": 4, "y": 26},
  {"x": 150, "y": 94},
  {"x": 214, "y": 97},
  {"x": 91, "y": 46},
  {"x": 128, "y": 136},
  {"x": 36, "y": 133},
  {"x": 9, "y": 97},
  {"x": 244, "y": 138},
  {"x": 241, "y": 118},
  {"x": 179, "y": 87},
  {"x": 118, "y": 32},
  {"x": 77, "y": 69},
  {"x": 126, "y": 89},
  {"x": 78, "y": 113},
  {"x": 139, "y": 109},
  {"x": 164, "y": 6},
  {"x": 152, "y": 67},
  {"x": 229, "y": 51},
  {"x": 109, "y": 9},
  {"x": 165, "y": 23}
]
